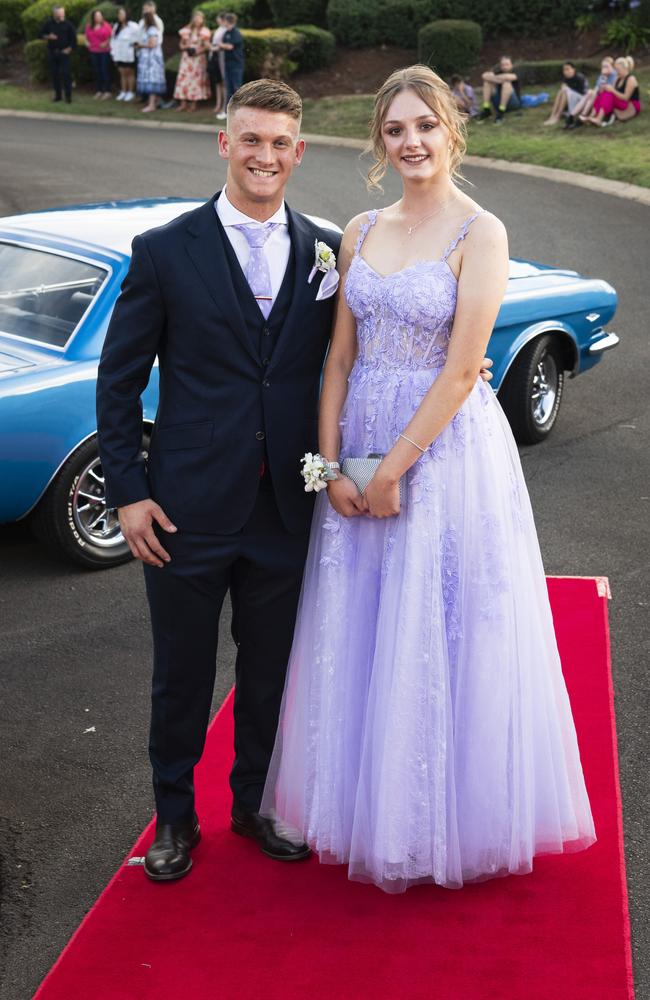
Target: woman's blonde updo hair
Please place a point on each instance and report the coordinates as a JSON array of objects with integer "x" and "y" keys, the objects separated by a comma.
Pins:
[{"x": 430, "y": 88}]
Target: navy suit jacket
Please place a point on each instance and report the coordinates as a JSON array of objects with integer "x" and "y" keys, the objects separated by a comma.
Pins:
[{"x": 221, "y": 411}]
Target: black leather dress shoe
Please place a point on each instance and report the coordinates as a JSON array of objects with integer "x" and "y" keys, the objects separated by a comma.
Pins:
[
  {"x": 168, "y": 858},
  {"x": 262, "y": 830}
]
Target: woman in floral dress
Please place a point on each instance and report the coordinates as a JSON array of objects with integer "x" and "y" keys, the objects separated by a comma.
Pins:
[
  {"x": 151, "y": 67},
  {"x": 192, "y": 83}
]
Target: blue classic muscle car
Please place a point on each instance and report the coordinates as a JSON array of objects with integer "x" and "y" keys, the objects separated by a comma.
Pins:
[{"x": 60, "y": 274}]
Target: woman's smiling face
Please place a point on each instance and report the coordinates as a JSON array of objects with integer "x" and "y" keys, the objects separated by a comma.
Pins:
[{"x": 416, "y": 140}]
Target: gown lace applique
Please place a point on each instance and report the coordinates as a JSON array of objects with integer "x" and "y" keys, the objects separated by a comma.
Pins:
[{"x": 426, "y": 733}]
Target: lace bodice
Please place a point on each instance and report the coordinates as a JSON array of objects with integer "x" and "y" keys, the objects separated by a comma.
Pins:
[{"x": 404, "y": 319}]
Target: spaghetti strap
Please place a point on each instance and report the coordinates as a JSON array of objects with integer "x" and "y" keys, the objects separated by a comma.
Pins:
[
  {"x": 464, "y": 229},
  {"x": 364, "y": 229}
]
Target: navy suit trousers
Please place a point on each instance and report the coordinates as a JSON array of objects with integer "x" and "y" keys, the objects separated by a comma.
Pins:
[{"x": 262, "y": 567}]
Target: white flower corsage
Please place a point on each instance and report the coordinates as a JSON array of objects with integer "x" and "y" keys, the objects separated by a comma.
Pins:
[
  {"x": 325, "y": 261},
  {"x": 315, "y": 472}
]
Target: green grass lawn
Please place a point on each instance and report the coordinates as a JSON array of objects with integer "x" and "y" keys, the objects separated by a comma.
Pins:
[{"x": 619, "y": 153}]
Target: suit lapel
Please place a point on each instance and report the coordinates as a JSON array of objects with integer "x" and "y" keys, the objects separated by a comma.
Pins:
[
  {"x": 302, "y": 238},
  {"x": 206, "y": 250}
]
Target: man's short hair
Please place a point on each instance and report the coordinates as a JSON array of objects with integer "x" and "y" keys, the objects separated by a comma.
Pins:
[
  {"x": 230, "y": 18},
  {"x": 268, "y": 95},
  {"x": 57, "y": 6}
]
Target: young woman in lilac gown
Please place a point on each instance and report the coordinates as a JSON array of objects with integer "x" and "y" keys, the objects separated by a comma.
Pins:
[{"x": 425, "y": 733}]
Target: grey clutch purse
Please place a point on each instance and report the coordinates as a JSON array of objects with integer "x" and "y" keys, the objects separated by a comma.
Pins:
[{"x": 361, "y": 471}]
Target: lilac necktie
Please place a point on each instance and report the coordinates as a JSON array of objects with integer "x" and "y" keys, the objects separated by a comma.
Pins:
[{"x": 257, "y": 269}]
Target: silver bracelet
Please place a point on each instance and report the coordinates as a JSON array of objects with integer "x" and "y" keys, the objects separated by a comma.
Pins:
[{"x": 410, "y": 441}]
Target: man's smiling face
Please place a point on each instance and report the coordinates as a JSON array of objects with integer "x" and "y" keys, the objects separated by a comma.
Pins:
[{"x": 262, "y": 148}]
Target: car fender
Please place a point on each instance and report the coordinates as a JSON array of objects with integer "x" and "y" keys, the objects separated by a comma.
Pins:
[
  {"x": 43, "y": 424},
  {"x": 506, "y": 344}
]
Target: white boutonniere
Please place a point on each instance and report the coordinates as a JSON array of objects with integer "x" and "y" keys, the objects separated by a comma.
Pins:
[{"x": 325, "y": 261}]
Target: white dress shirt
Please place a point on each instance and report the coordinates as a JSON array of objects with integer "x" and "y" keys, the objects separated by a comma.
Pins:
[{"x": 276, "y": 249}]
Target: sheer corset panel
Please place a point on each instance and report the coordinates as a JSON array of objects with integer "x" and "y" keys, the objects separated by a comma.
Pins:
[{"x": 404, "y": 319}]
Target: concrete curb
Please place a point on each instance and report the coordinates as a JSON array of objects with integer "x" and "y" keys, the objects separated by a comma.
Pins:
[{"x": 601, "y": 185}]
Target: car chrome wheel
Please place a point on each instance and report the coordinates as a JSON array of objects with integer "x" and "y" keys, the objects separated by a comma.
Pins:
[
  {"x": 532, "y": 391},
  {"x": 73, "y": 518},
  {"x": 95, "y": 522},
  {"x": 544, "y": 390}
]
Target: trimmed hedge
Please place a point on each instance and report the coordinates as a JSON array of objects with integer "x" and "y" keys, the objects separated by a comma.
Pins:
[
  {"x": 251, "y": 13},
  {"x": 450, "y": 46},
  {"x": 10, "y": 12},
  {"x": 35, "y": 16},
  {"x": 550, "y": 71},
  {"x": 318, "y": 47},
  {"x": 36, "y": 60},
  {"x": 289, "y": 12},
  {"x": 242, "y": 8},
  {"x": 353, "y": 23},
  {"x": 271, "y": 52},
  {"x": 361, "y": 23},
  {"x": 108, "y": 9}
]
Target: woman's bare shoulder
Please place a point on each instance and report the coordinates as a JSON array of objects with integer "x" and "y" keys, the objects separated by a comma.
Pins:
[{"x": 486, "y": 228}]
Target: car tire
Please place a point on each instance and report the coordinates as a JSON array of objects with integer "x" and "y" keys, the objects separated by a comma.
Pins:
[
  {"x": 532, "y": 392},
  {"x": 72, "y": 518}
]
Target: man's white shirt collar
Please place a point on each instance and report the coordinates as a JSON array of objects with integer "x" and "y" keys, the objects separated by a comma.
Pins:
[{"x": 231, "y": 216}]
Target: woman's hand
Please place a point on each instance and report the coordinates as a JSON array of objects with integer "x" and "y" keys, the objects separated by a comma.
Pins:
[
  {"x": 382, "y": 496},
  {"x": 345, "y": 497}
]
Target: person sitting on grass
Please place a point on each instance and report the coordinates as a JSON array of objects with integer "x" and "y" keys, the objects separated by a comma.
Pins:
[
  {"x": 500, "y": 91},
  {"x": 572, "y": 90},
  {"x": 586, "y": 103},
  {"x": 464, "y": 95},
  {"x": 620, "y": 100}
]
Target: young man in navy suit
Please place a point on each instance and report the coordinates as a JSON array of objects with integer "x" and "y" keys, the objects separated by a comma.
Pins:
[{"x": 222, "y": 297}]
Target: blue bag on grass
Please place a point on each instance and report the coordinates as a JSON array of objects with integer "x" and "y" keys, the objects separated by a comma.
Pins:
[{"x": 532, "y": 100}]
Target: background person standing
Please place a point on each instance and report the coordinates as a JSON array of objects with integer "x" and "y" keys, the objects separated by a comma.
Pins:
[
  {"x": 233, "y": 46},
  {"x": 192, "y": 83},
  {"x": 217, "y": 63},
  {"x": 125, "y": 34},
  {"x": 151, "y": 68},
  {"x": 61, "y": 40},
  {"x": 98, "y": 34}
]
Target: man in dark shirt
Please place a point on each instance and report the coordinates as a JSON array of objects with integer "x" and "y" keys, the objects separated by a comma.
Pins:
[
  {"x": 574, "y": 86},
  {"x": 61, "y": 39},
  {"x": 500, "y": 91},
  {"x": 233, "y": 45}
]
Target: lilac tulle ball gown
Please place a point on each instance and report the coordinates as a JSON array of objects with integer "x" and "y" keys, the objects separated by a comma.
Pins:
[{"x": 425, "y": 732}]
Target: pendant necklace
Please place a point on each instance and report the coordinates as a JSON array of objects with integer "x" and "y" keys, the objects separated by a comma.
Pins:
[{"x": 411, "y": 229}]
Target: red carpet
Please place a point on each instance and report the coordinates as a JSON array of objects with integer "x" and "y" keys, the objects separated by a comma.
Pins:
[{"x": 242, "y": 927}]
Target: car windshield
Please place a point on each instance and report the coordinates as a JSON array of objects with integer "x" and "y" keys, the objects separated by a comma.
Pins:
[{"x": 44, "y": 295}]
